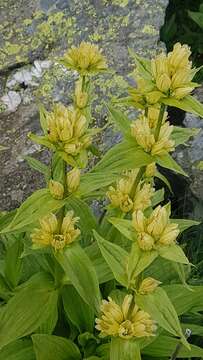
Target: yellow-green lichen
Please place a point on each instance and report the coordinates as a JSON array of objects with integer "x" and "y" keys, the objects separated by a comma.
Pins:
[{"x": 149, "y": 29}]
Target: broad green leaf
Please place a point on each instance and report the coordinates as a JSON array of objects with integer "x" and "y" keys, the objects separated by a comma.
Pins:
[
  {"x": 115, "y": 256},
  {"x": 168, "y": 162},
  {"x": 103, "y": 271},
  {"x": 87, "y": 221},
  {"x": 181, "y": 135},
  {"x": 174, "y": 253},
  {"x": 166, "y": 345},
  {"x": 58, "y": 168},
  {"x": 38, "y": 165},
  {"x": 184, "y": 224},
  {"x": 122, "y": 349},
  {"x": 13, "y": 263},
  {"x": 121, "y": 120},
  {"x": 162, "y": 270},
  {"x": 54, "y": 348},
  {"x": 124, "y": 227},
  {"x": 126, "y": 155},
  {"x": 197, "y": 17},
  {"x": 48, "y": 326},
  {"x": 93, "y": 181},
  {"x": 161, "y": 309},
  {"x": 189, "y": 104},
  {"x": 80, "y": 270},
  {"x": 5, "y": 292},
  {"x": 18, "y": 350},
  {"x": 79, "y": 313},
  {"x": 27, "y": 309},
  {"x": 185, "y": 300},
  {"x": 138, "y": 261},
  {"x": 6, "y": 218},
  {"x": 39, "y": 204}
]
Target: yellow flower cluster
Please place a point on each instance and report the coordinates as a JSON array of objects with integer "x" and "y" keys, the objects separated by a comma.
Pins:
[
  {"x": 157, "y": 230},
  {"x": 68, "y": 127},
  {"x": 86, "y": 59},
  {"x": 120, "y": 196},
  {"x": 168, "y": 76},
  {"x": 126, "y": 321},
  {"x": 52, "y": 234},
  {"x": 144, "y": 134}
]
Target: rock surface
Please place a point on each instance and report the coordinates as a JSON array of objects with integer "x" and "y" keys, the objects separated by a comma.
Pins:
[{"x": 34, "y": 34}]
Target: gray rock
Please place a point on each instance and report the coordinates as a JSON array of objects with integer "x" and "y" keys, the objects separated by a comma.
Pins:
[{"x": 33, "y": 35}]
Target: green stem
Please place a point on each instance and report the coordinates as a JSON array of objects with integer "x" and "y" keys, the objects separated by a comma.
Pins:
[
  {"x": 83, "y": 82},
  {"x": 137, "y": 180},
  {"x": 159, "y": 123}
]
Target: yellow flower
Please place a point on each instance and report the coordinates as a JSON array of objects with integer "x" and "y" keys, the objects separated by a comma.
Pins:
[
  {"x": 125, "y": 321},
  {"x": 141, "y": 131},
  {"x": 73, "y": 180},
  {"x": 51, "y": 234},
  {"x": 155, "y": 230},
  {"x": 160, "y": 65},
  {"x": 126, "y": 204},
  {"x": 86, "y": 58},
  {"x": 56, "y": 189},
  {"x": 148, "y": 285},
  {"x": 164, "y": 144},
  {"x": 179, "y": 58},
  {"x": 181, "y": 92},
  {"x": 142, "y": 198},
  {"x": 163, "y": 83},
  {"x": 153, "y": 116},
  {"x": 68, "y": 127}
]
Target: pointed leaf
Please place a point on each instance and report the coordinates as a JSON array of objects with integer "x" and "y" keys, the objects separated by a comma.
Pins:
[
  {"x": 81, "y": 272},
  {"x": 124, "y": 227},
  {"x": 184, "y": 224},
  {"x": 168, "y": 162},
  {"x": 121, "y": 120},
  {"x": 189, "y": 104},
  {"x": 115, "y": 256},
  {"x": 18, "y": 350},
  {"x": 54, "y": 348},
  {"x": 173, "y": 253}
]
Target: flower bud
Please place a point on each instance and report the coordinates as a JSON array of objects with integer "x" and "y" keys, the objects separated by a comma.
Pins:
[
  {"x": 153, "y": 97},
  {"x": 73, "y": 180},
  {"x": 148, "y": 285},
  {"x": 179, "y": 57},
  {"x": 73, "y": 148},
  {"x": 145, "y": 241},
  {"x": 126, "y": 203},
  {"x": 80, "y": 125},
  {"x": 49, "y": 223},
  {"x": 163, "y": 83},
  {"x": 138, "y": 221},
  {"x": 56, "y": 189},
  {"x": 141, "y": 131},
  {"x": 157, "y": 221},
  {"x": 181, "y": 92},
  {"x": 142, "y": 198},
  {"x": 180, "y": 78}
]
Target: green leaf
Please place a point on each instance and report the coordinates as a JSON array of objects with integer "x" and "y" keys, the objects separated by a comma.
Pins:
[
  {"x": 81, "y": 272},
  {"x": 122, "y": 349},
  {"x": 124, "y": 227},
  {"x": 93, "y": 181},
  {"x": 166, "y": 345},
  {"x": 41, "y": 140},
  {"x": 79, "y": 313},
  {"x": 196, "y": 17},
  {"x": 181, "y": 135},
  {"x": 27, "y": 310},
  {"x": 157, "y": 197},
  {"x": 38, "y": 165},
  {"x": 184, "y": 224},
  {"x": 138, "y": 261},
  {"x": 18, "y": 350},
  {"x": 43, "y": 118},
  {"x": 13, "y": 263},
  {"x": 121, "y": 120},
  {"x": 185, "y": 300},
  {"x": 115, "y": 256},
  {"x": 103, "y": 271},
  {"x": 173, "y": 253},
  {"x": 54, "y": 348},
  {"x": 168, "y": 162},
  {"x": 39, "y": 204},
  {"x": 161, "y": 309},
  {"x": 189, "y": 104},
  {"x": 87, "y": 221},
  {"x": 143, "y": 65},
  {"x": 120, "y": 158}
]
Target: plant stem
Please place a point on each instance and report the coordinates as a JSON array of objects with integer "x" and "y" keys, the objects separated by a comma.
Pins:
[
  {"x": 137, "y": 180},
  {"x": 159, "y": 123},
  {"x": 178, "y": 347},
  {"x": 83, "y": 82}
]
